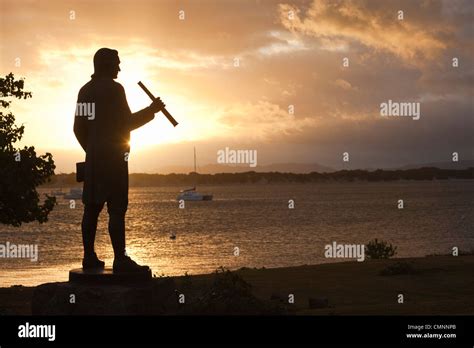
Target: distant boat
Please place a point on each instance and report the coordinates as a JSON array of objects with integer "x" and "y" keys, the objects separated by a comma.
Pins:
[
  {"x": 191, "y": 194},
  {"x": 59, "y": 192},
  {"x": 74, "y": 193}
]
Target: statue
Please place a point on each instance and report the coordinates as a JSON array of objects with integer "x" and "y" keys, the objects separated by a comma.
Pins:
[{"x": 104, "y": 134}]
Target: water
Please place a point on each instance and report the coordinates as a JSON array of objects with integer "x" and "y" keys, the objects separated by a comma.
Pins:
[{"x": 254, "y": 218}]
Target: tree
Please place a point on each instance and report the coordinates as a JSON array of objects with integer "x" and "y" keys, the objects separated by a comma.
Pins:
[
  {"x": 21, "y": 170},
  {"x": 380, "y": 249}
]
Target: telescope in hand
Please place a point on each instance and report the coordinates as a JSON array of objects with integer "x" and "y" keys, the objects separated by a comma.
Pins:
[{"x": 152, "y": 97}]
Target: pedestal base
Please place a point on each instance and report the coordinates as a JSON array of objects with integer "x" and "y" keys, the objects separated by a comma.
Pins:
[
  {"x": 107, "y": 276},
  {"x": 152, "y": 297}
]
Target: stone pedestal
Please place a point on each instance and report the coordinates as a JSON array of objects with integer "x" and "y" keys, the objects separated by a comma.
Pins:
[
  {"x": 106, "y": 293},
  {"x": 107, "y": 276}
]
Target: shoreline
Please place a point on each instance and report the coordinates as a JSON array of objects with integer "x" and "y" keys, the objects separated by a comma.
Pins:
[
  {"x": 274, "y": 177},
  {"x": 431, "y": 285},
  {"x": 55, "y": 185}
]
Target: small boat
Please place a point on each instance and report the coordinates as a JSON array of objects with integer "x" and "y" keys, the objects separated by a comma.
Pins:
[
  {"x": 74, "y": 193},
  {"x": 59, "y": 192},
  {"x": 191, "y": 194}
]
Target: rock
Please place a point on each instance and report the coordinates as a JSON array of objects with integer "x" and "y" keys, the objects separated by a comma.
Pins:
[
  {"x": 154, "y": 297},
  {"x": 320, "y": 302}
]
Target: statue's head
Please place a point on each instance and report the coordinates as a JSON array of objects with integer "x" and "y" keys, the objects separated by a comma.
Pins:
[{"x": 106, "y": 63}]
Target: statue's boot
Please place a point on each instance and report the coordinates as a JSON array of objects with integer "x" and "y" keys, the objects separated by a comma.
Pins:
[
  {"x": 92, "y": 262},
  {"x": 125, "y": 264}
]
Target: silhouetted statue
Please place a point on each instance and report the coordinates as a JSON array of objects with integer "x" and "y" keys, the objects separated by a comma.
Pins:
[{"x": 104, "y": 133}]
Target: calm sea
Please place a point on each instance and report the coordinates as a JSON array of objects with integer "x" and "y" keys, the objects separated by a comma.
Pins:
[{"x": 437, "y": 215}]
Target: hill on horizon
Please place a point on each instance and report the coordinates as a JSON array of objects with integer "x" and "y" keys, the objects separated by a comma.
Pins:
[
  {"x": 299, "y": 168},
  {"x": 442, "y": 165},
  {"x": 302, "y": 168}
]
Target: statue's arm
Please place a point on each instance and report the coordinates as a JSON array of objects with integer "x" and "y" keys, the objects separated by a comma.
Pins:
[
  {"x": 139, "y": 118},
  {"x": 80, "y": 126}
]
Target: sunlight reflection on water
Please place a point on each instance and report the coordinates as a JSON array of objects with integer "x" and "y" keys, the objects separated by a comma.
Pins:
[{"x": 256, "y": 219}]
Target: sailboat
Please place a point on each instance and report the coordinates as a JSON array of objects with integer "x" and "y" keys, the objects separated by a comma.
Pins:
[
  {"x": 74, "y": 193},
  {"x": 191, "y": 194},
  {"x": 59, "y": 192}
]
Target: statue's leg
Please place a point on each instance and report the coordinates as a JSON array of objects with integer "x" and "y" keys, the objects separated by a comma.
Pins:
[
  {"x": 117, "y": 209},
  {"x": 89, "y": 227}
]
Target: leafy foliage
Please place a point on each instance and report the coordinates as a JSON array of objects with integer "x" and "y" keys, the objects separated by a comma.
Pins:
[
  {"x": 380, "y": 249},
  {"x": 21, "y": 170}
]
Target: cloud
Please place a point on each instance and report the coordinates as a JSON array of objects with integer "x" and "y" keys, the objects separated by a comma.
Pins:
[
  {"x": 260, "y": 121},
  {"x": 375, "y": 25},
  {"x": 282, "y": 62},
  {"x": 344, "y": 84}
]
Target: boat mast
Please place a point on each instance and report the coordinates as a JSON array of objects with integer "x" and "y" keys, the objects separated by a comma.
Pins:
[
  {"x": 195, "y": 159},
  {"x": 195, "y": 167}
]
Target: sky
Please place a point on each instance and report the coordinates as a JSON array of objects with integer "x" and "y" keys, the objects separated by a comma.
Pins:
[{"x": 231, "y": 71}]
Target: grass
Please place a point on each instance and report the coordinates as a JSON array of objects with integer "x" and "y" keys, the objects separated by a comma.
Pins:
[{"x": 436, "y": 285}]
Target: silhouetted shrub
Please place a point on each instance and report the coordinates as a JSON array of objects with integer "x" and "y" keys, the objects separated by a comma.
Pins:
[
  {"x": 379, "y": 249},
  {"x": 230, "y": 294}
]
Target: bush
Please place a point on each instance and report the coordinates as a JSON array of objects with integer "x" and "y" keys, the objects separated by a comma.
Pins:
[
  {"x": 379, "y": 249},
  {"x": 230, "y": 294}
]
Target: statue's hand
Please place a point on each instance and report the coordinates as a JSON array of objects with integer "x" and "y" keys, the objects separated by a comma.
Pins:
[{"x": 157, "y": 105}]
